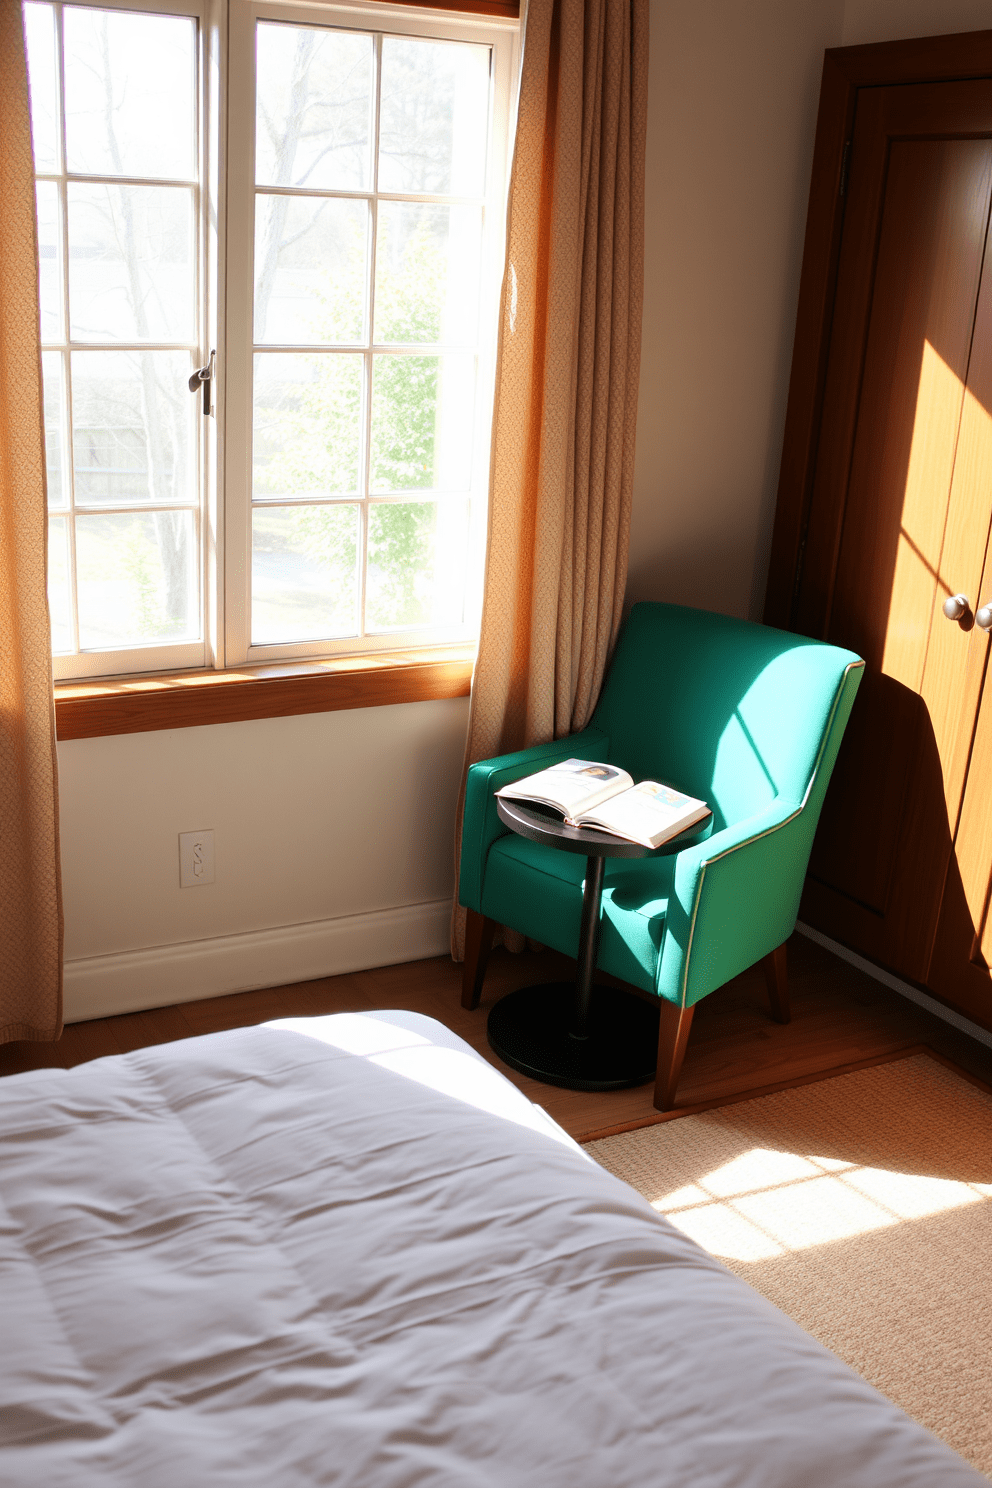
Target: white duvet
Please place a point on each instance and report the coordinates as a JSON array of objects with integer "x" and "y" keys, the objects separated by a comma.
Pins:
[{"x": 346, "y": 1251}]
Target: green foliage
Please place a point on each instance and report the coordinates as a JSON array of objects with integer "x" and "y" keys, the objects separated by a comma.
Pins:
[
  {"x": 410, "y": 279},
  {"x": 401, "y": 563},
  {"x": 329, "y": 536},
  {"x": 123, "y": 576},
  {"x": 148, "y": 619},
  {"x": 404, "y": 419},
  {"x": 311, "y": 437},
  {"x": 311, "y": 432}
]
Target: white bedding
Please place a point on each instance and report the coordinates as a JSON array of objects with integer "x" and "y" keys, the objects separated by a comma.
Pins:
[{"x": 345, "y": 1251}]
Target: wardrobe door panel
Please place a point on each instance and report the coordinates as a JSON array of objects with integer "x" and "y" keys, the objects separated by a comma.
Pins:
[{"x": 876, "y": 569}]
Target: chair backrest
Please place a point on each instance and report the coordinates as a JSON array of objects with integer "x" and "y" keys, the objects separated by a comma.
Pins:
[{"x": 726, "y": 710}]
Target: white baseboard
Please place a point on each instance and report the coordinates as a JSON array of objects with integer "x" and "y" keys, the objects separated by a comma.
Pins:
[
  {"x": 905, "y": 989},
  {"x": 127, "y": 981}
]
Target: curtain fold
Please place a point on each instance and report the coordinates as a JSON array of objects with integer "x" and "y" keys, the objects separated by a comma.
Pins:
[
  {"x": 567, "y": 373},
  {"x": 30, "y": 886}
]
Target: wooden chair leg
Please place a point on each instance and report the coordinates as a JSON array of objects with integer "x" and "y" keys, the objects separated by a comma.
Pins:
[
  {"x": 777, "y": 977},
  {"x": 479, "y": 934},
  {"x": 673, "y": 1035}
]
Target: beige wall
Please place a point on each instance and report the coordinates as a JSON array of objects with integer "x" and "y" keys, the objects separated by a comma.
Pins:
[
  {"x": 331, "y": 823},
  {"x": 894, "y": 20},
  {"x": 314, "y": 817},
  {"x": 733, "y": 99}
]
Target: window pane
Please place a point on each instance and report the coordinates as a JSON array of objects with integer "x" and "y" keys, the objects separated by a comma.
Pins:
[
  {"x": 307, "y": 425},
  {"x": 310, "y": 269},
  {"x": 129, "y": 93},
  {"x": 52, "y": 376},
  {"x": 131, "y": 263},
  {"x": 313, "y": 108},
  {"x": 422, "y": 418},
  {"x": 39, "y": 33},
  {"x": 49, "y": 261},
  {"x": 427, "y": 273},
  {"x": 433, "y": 117},
  {"x": 304, "y": 573},
  {"x": 59, "y": 602},
  {"x": 136, "y": 579},
  {"x": 131, "y": 436},
  {"x": 417, "y": 564}
]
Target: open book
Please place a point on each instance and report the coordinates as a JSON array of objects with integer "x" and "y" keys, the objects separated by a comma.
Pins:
[{"x": 593, "y": 795}]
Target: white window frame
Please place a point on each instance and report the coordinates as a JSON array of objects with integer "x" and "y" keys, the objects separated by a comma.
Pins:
[
  {"x": 208, "y": 227},
  {"x": 378, "y": 19},
  {"x": 225, "y": 58}
]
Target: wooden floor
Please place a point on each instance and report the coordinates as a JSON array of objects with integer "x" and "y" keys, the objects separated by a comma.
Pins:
[{"x": 839, "y": 1016}]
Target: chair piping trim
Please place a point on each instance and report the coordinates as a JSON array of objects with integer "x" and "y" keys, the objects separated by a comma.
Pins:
[{"x": 851, "y": 667}]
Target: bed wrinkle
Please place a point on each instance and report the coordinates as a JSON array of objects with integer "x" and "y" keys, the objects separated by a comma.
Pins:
[
  {"x": 499, "y": 1226},
  {"x": 71, "y": 1125},
  {"x": 48, "y": 1427},
  {"x": 397, "y": 1189},
  {"x": 463, "y": 1303},
  {"x": 236, "y": 1078},
  {"x": 138, "y": 1238},
  {"x": 315, "y": 1358}
]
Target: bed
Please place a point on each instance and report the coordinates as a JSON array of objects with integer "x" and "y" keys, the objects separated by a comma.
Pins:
[{"x": 345, "y": 1250}]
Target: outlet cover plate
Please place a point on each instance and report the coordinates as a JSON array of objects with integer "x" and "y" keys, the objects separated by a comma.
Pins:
[{"x": 196, "y": 859}]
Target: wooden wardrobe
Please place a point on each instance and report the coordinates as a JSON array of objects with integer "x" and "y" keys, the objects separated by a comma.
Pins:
[{"x": 885, "y": 503}]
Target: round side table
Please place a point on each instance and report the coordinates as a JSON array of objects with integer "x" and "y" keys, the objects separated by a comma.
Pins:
[{"x": 578, "y": 1034}]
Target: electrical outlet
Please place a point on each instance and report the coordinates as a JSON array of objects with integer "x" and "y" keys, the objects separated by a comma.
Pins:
[{"x": 196, "y": 859}]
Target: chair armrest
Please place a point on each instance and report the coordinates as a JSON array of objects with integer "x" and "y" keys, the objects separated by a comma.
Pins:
[
  {"x": 735, "y": 898},
  {"x": 481, "y": 824}
]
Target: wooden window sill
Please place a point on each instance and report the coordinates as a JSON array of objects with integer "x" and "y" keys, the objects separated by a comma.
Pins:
[{"x": 164, "y": 700}]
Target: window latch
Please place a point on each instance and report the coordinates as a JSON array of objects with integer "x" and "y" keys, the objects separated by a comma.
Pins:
[{"x": 203, "y": 377}]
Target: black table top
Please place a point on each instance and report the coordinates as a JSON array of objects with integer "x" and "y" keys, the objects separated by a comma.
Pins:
[{"x": 542, "y": 824}]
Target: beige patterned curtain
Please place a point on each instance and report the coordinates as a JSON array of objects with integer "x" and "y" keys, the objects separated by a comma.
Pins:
[
  {"x": 566, "y": 382},
  {"x": 30, "y": 888}
]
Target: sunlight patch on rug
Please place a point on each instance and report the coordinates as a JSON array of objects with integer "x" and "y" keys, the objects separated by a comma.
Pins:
[{"x": 765, "y": 1203}]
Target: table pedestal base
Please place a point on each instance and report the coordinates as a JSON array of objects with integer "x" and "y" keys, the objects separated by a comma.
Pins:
[{"x": 529, "y": 1030}]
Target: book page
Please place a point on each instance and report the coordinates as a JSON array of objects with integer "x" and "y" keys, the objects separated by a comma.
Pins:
[
  {"x": 573, "y": 785},
  {"x": 649, "y": 813}
]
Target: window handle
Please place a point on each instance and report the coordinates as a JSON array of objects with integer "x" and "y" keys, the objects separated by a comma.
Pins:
[{"x": 203, "y": 377}]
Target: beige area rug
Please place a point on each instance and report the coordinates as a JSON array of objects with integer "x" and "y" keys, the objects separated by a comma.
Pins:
[{"x": 862, "y": 1206}]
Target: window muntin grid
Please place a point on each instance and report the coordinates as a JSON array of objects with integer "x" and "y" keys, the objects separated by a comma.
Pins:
[
  {"x": 118, "y": 183},
  {"x": 376, "y": 382}
]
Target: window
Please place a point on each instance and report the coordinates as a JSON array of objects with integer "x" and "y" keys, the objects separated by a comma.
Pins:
[{"x": 268, "y": 311}]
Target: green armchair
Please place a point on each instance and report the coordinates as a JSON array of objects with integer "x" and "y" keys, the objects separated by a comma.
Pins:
[{"x": 749, "y": 719}]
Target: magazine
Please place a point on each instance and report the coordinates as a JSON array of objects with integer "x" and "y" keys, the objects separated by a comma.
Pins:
[{"x": 589, "y": 794}]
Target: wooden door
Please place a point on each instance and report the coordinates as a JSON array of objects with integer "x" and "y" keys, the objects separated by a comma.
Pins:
[
  {"x": 888, "y": 432},
  {"x": 881, "y": 554},
  {"x": 959, "y": 969}
]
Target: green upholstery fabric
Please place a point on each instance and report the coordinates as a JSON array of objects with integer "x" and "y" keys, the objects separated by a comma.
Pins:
[{"x": 748, "y": 718}]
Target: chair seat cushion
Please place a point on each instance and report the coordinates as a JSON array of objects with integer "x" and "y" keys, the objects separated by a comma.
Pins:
[{"x": 538, "y": 890}]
